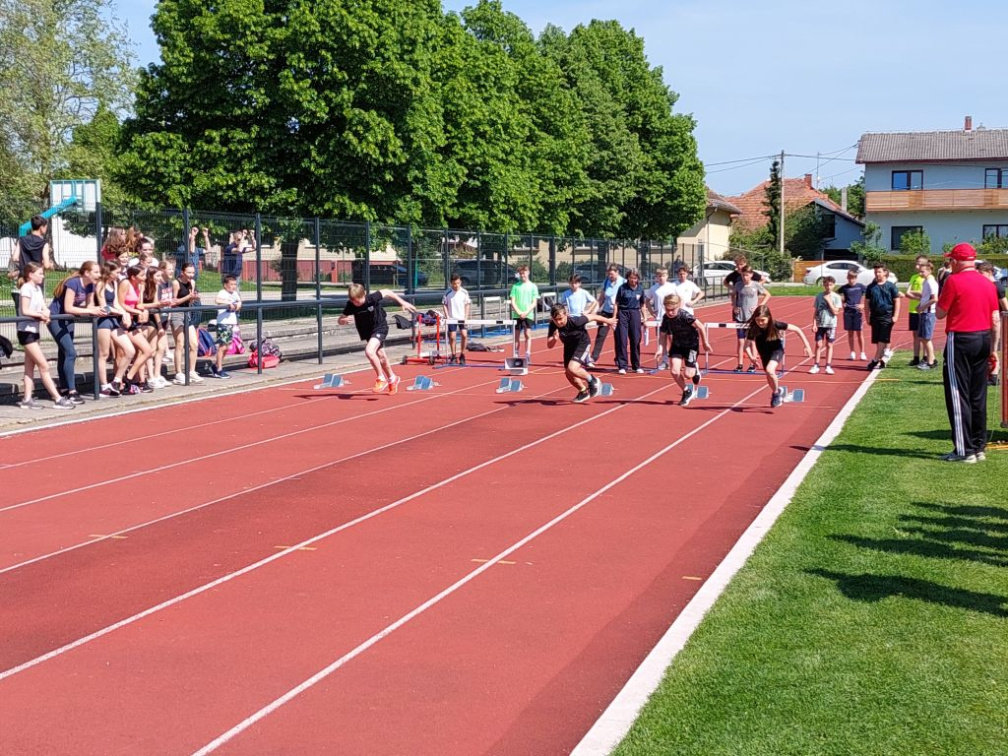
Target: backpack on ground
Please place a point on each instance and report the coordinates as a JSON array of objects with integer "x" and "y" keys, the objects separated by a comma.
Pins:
[{"x": 267, "y": 351}]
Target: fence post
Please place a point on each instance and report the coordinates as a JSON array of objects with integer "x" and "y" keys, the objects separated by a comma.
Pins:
[
  {"x": 367, "y": 256},
  {"x": 410, "y": 262},
  {"x": 98, "y": 231},
  {"x": 259, "y": 361},
  {"x": 258, "y": 233},
  {"x": 318, "y": 284},
  {"x": 552, "y": 261},
  {"x": 95, "y": 359}
]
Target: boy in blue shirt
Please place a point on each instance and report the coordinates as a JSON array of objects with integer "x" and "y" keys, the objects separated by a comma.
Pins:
[{"x": 853, "y": 313}]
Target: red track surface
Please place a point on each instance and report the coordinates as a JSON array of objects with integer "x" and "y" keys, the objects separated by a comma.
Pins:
[{"x": 636, "y": 499}]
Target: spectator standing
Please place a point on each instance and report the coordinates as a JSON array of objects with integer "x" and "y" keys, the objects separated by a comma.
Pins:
[
  {"x": 968, "y": 304},
  {"x": 457, "y": 306},
  {"x": 688, "y": 292},
  {"x": 747, "y": 295},
  {"x": 883, "y": 305},
  {"x": 187, "y": 252},
  {"x": 630, "y": 299},
  {"x": 73, "y": 296},
  {"x": 233, "y": 257},
  {"x": 913, "y": 294},
  {"x": 185, "y": 294},
  {"x": 607, "y": 310},
  {"x": 524, "y": 297},
  {"x": 33, "y": 247},
  {"x": 654, "y": 300},
  {"x": 578, "y": 301},
  {"x": 34, "y": 311},
  {"x": 926, "y": 316},
  {"x": 853, "y": 314}
]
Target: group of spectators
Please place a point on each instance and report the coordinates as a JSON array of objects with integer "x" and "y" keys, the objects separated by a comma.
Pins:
[{"x": 125, "y": 294}]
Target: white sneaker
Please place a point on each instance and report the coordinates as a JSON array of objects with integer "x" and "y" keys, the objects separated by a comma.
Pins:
[
  {"x": 814, "y": 369},
  {"x": 829, "y": 370},
  {"x": 887, "y": 355},
  {"x": 195, "y": 377},
  {"x": 179, "y": 379},
  {"x": 864, "y": 356},
  {"x": 621, "y": 371},
  {"x": 853, "y": 356}
]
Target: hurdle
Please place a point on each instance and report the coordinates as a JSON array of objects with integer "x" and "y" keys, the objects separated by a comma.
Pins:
[
  {"x": 735, "y": 327},
  {"x": 514, "y": 365}
]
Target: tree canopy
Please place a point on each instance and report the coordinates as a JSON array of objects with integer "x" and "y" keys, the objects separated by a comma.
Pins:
[{"x": 394, "y": 111}]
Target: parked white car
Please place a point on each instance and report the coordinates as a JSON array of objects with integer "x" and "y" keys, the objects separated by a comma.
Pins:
[
  {"x": 714, "y": 272},
  {"x": 838, "y": 269}
]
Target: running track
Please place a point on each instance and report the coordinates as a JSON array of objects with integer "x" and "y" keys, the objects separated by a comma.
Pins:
[{"x": 454, "y": 571}]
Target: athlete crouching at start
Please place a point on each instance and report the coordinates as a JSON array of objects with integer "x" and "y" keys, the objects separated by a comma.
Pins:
[{"x": 571, "y": 330}]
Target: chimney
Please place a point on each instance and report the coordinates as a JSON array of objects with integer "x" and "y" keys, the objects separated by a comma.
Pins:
[
  {"x": 968, "y": 125},
  {"x": 808, "y": 180},
  {"x": 843, "y": 199}
]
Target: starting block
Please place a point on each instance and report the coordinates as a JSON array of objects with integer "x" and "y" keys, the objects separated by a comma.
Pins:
[
  {"x": 509, "y": 386},
  {"x": 792, "y": 397},
  {"x": 701, "y": 392},
  {"x": 422, "y": 383},
  {"x": 516, "y": 365},
  {"x": 607, "y": 390},
  {"x": 331, "y": 380}
]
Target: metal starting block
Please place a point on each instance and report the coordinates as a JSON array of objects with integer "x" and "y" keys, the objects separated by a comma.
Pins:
[
  {"x": 331, "y": 380},
  {"x": 516, "y": 365},
  {"x": 607, "y": 390},
  {"x": 792, "y": 397},
  {"x": 422, "y": 383},
  {"x": 509, "y": 386},
  {"x": 701, "y": 392}
]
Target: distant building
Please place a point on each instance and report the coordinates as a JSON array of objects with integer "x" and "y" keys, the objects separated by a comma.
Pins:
[
  {"x": 842, "y": 228},
  {"x": 953, "y": 185},
  {"x": 711, "y": 234}
]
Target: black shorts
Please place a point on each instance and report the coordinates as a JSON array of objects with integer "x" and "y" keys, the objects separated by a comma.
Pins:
[
  {"x": 380, "y": 335},
  {"x": 579, "y": 352},
  {"x": 881, "y": 330},
  {"x": 777, "y": 355},
  {"x": 27, "y": 337},
  {"x": 687, "y": 352},
  {"x": 853, "y": 320},
  {"x": 523, "y": 324},
  {"x": 914, "y": 324},
  {"x": 452, "y": 327}
]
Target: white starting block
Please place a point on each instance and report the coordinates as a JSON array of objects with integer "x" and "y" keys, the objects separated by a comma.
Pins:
[
  {"x": 701, "y": 392},
  {"x": 331, "y": 380},
  {"x": 607, "y": 390},
  {"x": 792, "y": 397},
  {"x": 516, "y": 365},
  {"x": 422, "y": 383},
  {"x": 509, "y": 386}
]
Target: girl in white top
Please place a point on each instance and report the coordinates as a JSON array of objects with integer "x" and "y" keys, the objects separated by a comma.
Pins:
[{"x": 33, "y": 312}]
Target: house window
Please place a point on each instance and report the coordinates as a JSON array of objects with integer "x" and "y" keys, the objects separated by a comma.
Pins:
[
  {"x": 907, "y": 180},
  {"x": 897, "y": 234},
  {"x": 995, "y": 231},
  {"x": 996, "y": 178}
]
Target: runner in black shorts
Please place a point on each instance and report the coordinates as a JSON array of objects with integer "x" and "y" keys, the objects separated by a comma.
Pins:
[
  {"x": 688, "y": 337},
  {"x": 577, "y": 348},
  {"x": 372, "y": 327},
  {"x": 766, "y": 336}
]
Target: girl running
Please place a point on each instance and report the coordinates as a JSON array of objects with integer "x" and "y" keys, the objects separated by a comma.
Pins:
[{"x": 766, "y": 336}]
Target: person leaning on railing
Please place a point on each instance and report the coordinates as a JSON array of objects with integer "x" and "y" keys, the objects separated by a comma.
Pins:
[
  {"x": 73, "y": 296},
  {"x": 33, "y": 312}
]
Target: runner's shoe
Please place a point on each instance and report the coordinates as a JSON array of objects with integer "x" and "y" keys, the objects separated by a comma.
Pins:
[
  {"x": 380, "y": 386},
  {"x": 814, "y": 369},
  {"x": 829, "y": 370},
  {"x": 393, "y": 385},
  {"x": 687, "y": 397},
  {"x": 777, "y": 399},
  {"x": 752, "y": 368},
  {"x": 583, "y": 396},
  {"x": 594, "y": 387},
  {"x": 738, "y": 368}
]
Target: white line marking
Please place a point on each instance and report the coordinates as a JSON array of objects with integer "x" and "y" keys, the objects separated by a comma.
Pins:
[
  {"x": 616, "y": 721},
  {"x": 326, "y": 671},
  {"x": 314, "y": 539}
]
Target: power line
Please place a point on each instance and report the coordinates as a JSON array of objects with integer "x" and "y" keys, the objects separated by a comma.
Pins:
[{"x": 744, "y": 160}]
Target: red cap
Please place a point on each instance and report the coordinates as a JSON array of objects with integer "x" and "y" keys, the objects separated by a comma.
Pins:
[{"x": 963, "y": 252}]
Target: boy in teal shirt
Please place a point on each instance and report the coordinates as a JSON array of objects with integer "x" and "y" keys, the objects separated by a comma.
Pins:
[
  {"x": 524, "y": 297},
  {"x": 827, "y": 307}
]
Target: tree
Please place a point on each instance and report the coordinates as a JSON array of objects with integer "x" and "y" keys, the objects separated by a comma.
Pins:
[
  {"x": 806, "y": 233},
  {"x": 915, "y": 243},
  {"x": 855, "y": 197},
  {"x": 61, "y": 66},
  {"x": 772, "y": 201},
  {"x": 870, "y": 250}
]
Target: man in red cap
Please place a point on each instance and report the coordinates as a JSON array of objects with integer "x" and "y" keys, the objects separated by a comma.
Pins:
[{"x": 968, "y": 304}]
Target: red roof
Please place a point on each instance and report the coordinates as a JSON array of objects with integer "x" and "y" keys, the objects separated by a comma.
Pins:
[{"x": 798, "y": 193}]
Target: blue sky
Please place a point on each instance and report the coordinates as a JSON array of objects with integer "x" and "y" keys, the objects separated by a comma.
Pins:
[{"x": 789, "y": 75}]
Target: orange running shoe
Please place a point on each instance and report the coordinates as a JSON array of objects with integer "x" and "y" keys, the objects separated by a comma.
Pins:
[
  {"x": 380, "y": 386},
  {"x": 393, "y": 386}
]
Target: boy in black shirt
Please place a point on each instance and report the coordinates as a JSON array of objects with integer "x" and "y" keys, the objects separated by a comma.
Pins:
[
  {"x": 577, "y": 348},
  {"x": 688, "y": 337},
  {"x": 372, "y": 327}
]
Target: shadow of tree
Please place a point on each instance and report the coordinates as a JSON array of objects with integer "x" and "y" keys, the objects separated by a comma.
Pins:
[
  {"x": 874, "y": 588},
  {"x": 964, "y": 511}
]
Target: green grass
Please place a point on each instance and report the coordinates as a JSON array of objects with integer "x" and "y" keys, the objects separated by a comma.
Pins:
[
  {"x": 778, "y": 290},
  {"x": 873, "y": 619}
]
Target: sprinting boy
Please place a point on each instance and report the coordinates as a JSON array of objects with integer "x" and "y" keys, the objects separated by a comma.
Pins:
[
  {"x": 824, "y": 319},
  {"x": 883, "y": 300},
  {"x": 372, "y": 327},
  {"x": 577, "y": 348},
  {"x": 227, "y": 318},
  {"x": 853, "y": 293},
  {"x": 748, "y": 295},
  {"x": 524, "y": 297},
  {"x": 578, "y": 301},
  {"x": 655, "y": 303},
  {"x": 687, "y": 336},
  {"x": 457, "y": 306}
]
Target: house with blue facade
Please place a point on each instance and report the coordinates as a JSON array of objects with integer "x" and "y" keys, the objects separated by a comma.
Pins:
[{"x": 953, "y": 185}]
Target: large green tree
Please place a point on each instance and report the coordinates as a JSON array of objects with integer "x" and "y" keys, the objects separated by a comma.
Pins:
[
  {"x": 61, "y": 65},
  {"x": 855, "y": 197}
]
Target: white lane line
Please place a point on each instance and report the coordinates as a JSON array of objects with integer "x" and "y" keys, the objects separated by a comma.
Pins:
[
  {"x": 261, "y": 442},
  {"x": 388, "y": 630},
  {"x": 616, "y": 721},
  {"x": 314, "y": 539}
]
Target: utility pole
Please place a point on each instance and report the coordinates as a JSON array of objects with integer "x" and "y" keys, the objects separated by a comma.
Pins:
[{"x": 782, "y": 182}]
